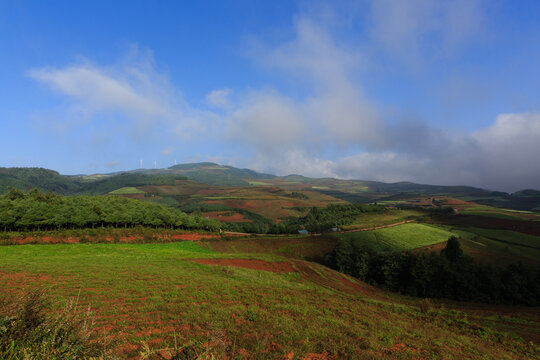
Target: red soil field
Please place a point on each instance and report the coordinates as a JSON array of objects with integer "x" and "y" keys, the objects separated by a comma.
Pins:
[
  {"x": 213, "y": 191},
  {"x": 225, "y": 217},
  {"x": 136, "y": 196},
  {"x": 194, "y": 236},
  {"x": 292, "y": 204},
  {"x": 107, "y": 239}
]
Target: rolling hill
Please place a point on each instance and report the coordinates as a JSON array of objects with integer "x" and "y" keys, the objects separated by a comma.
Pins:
[{"x": 212, "y": 174}]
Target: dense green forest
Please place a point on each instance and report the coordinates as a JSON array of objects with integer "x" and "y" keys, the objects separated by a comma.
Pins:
[
  {"x": 317, "y": 220},
  {"x": 449, "y": 274},
  {"x": 320, "y": 220},
  {"x": 258, "y": 224},
  {"x": 36, "y": 210}
]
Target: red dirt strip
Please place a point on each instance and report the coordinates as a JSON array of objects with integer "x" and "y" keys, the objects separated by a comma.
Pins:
[{"x": 278, "y": 267}]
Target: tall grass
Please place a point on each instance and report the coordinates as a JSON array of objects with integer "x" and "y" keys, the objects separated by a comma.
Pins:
[{"x": 29, "y": 329}]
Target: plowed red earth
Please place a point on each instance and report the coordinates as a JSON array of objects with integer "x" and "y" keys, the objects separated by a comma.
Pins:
[
  {"x": 278, "y": 267},
  {"x": 108, "y": 239},
  {"x": 226, "y": 216},
  {"x": 526, "y": 227},
  {"x": 194, "y": 236}
]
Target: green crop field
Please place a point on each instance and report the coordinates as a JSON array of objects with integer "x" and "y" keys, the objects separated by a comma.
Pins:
[
  {"x": 399, "y": 238},
  {"x": 148, "y": 300},
  {"x": 493, "y": 214},
  {"x": 508, "y": 236},
  {"x": 128, "y": 190},
  {"x": 498, "y": 247},
  {"x": 259, "y": 183}
]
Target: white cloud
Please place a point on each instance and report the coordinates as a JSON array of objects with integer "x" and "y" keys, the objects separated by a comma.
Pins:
[
  {"x": 420, "y": 30},
  {"x": 113, "y": 164},
  {"x": 334, "y": 111},
  {"x": 167, "y": 152},
  {"x": 266, "y": 120},
  {"x": 99, "y": 90},
  {"x": 219, "y": 98},
  {"x": 131, "y": 90}
]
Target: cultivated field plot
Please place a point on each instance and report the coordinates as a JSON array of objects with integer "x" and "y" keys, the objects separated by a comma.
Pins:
[
  {"x": 127, "y": 190},
  {"x": 226, "y": 216},
  {"x": 499, "y": 247},
  {"x": 297, "y": 247},
  {"x": 509, "y": 237},
  {"x": 268, "y": 201},
  {"x": 399, "y": 238},
  {"x": 272, "y": 203},
  {"x": 386, "y": 217},
  {"x": 500, "y": 213},
  {"x": 153, "y": 300}
]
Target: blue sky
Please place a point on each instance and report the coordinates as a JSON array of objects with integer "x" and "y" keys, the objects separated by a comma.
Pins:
[{"x": 419, "y": 90}]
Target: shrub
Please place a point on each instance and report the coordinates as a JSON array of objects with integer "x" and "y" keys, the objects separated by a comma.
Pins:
[
  {"x": 29, "y": 330},
  {"x": 425, "y": 305}
]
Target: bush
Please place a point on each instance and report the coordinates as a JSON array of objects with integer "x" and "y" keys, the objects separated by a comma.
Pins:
[
  {"x": 425, "y": 306},
  {"x": 29, "y": 330}
]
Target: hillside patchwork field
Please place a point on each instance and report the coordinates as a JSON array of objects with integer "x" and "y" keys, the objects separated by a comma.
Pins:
[
  {"x": 158, "y": 300},
  {"x": 157, "y": 283}
]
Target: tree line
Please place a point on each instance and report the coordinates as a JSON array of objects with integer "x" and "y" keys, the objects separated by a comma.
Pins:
[
  {"x": 36, "y": 210},
  {"x": 320, "y": 220},
  {"x": 449, "y": 274},
  {"x": 316, "y": 220}
]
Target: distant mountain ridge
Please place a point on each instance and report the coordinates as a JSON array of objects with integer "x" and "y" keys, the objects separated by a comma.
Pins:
[
  {"x": 222, "y": 175},
  {"x": 215, "y": 174},
  {"x": 50, "y": 180}
]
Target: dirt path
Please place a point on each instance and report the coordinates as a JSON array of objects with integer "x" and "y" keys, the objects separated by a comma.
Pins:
[
  {"x": 279, "y": 267},
  {"x": 380, "y": 227},
  {"x": 317, "y": 234},
  {"x": 233, "y": 233}
]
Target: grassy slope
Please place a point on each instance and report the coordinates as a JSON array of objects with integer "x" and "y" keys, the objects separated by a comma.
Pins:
[
  {"x": 149, "y": 293},
  {"x": 297, "y": 247},
  {"x": 399, "y": 238},
  {"x": 508, "y": 236},
  {"x": 486, "y": 246}
]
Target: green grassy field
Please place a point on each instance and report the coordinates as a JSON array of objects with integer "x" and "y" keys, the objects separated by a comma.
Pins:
[
  {"x": 128, "y": 190},
  {"x": 148, "y": 299},
  {"x": 399, "y": 238},
  {"x": 508, "y": 236},
  {"x": 499, "y": 247}
]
